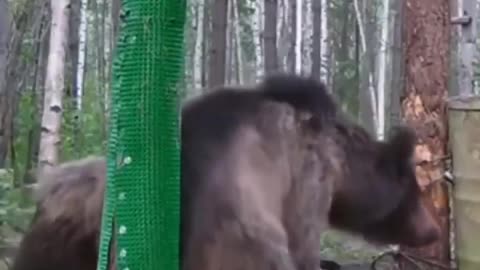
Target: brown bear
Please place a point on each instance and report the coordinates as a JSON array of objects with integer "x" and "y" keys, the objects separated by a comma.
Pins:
[{"x": 264, "y": 170}]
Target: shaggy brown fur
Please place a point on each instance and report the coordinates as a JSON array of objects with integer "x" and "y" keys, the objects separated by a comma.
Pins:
[
  {"x": 259, "y": 171},
  {"x": 65, "y": 229}
]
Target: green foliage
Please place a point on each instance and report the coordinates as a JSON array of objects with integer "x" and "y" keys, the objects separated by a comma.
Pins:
[
  {"x": 26, "y": 121},
  {"x": 84, "y": 133},
  {"x": 346, "y": 249},
  {"x": 346, "y": 85},
  {"x": 16, "y": 209}
]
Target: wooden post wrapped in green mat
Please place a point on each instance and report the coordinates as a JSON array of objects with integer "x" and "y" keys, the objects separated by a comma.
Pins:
[{"x": 143, "y": 188}]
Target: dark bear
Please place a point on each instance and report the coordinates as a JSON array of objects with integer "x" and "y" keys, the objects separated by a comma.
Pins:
[{"x": 264, "y": 170}]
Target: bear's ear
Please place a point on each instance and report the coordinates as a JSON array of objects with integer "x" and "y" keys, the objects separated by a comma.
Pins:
[{"x": 400, "y": 148}]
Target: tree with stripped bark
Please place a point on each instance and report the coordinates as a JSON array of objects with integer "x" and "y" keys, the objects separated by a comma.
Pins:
[{"x": 426, "y": 37}]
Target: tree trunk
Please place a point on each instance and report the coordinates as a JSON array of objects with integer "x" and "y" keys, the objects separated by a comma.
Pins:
[
  {"x": 115, "y": 20},
  {"x": 4, "y": 38},
  {"x": 82, "y": 47},
  {"x": 238, "y": 43},
  {"x": 316, "y": 38},
  {"x": 325, "y": 48},
  {"x": 116, "y": 7},
  {"x": 101, "y": 48},
  {"x": 257, "y": 38},
  {"x": 71, "y": 54},
  {"x": 426, "y": 35},
  {"x": 270, "y": 37},
  {"x": 383, "y": 68},
  {"x": 199, "y": 40},
  {"x": 101, "y": 71},
  {"x": 217, "y": 61},
  {"x": 283, "y": 37},
  {"x": 291, "y": 57},
  {"x": 41, "y": 54},
  {"x": 229, "y": 48},
  {"x": 398, "y": 65},
  {"x": 14, "y": 62},
  {"x": 304, "y": 29},
  {"x": 206, "y": 44},
  {"x": 54, "y": 86},
  {"x": 367, "y": 96}
]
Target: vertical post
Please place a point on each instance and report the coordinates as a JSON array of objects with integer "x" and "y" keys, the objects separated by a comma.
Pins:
[
  {"x": 143, "y": 188},
  {"x": 466, "y": 19},
  {"x": 464, "y": 127}
]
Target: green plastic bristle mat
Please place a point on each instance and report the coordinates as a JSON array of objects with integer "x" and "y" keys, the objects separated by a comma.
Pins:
[{"x": 143, "y": 189}]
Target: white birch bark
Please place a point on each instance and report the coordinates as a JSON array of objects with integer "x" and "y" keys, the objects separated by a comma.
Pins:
[
  {"x": 197, "y": 69},
  {"x": 257, "y": 31},
  {"x": 382, "y": 69},
  {"x": 298, "y": 38},
  {"x": 230, "y": 47},
  {"x": 82, "y": 44},
  {"x": 238, "y": 43},
  {"x": 325, "y": 49},
  {"x": 54, "y": 86}
]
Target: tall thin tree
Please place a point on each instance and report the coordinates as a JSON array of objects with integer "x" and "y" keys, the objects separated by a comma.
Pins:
[
  {"x": 54, "y": 86},
  {"x": 217, "y": 61},
  {"x": 316, "y": 37},
  {"x": 4, "y": 38},
  {"x": 270, "y": 36}
]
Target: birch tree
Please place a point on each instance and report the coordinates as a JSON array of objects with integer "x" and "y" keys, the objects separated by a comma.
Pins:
[
  {"x": 54, "y": 86},
  {"x": 82, "y": 38},
  {"x": 230, "y": 47},
  {"x": 324, "y": 37},
  {"x": 258, "y": 33},
  {"x": 298, "y": 36},
  {"x": 238, "y": 43},
  {"x": 382, "y": 70},
  {"x": 197, "y": 66}
]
